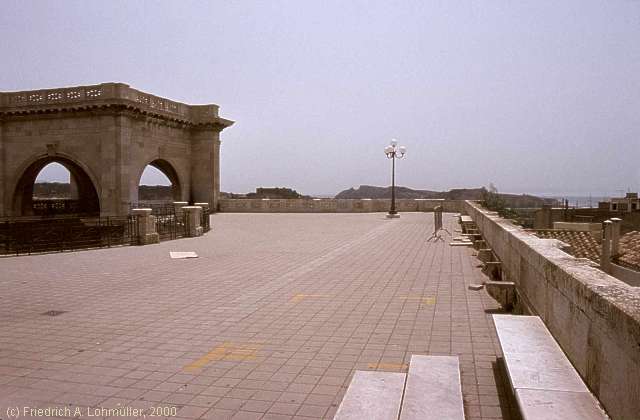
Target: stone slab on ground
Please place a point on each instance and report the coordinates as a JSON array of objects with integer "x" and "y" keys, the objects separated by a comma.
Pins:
[
  {"x": 544, "y": 382},
  {"x": 433, "y": 390},
  {"x": 372, "y": 396},
  {"x": 558, "y": 405},
  {"x": 181, "y": 255}
]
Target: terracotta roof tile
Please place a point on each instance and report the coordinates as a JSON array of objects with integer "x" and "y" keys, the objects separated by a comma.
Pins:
[
  {"x": 582, "y": 244},
  {"x": 630, "y": 250}
]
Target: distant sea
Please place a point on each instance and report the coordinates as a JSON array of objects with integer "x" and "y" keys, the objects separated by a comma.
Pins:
[{"x": 576, "y": 200}]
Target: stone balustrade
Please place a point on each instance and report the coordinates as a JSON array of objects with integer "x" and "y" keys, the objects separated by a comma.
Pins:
[
  {"x": 106, "y": 93},
  {"x": 333, "y": 205}
]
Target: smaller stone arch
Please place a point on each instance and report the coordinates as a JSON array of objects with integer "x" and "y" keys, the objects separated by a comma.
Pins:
[
  {"x": 170, "y": 172},
  {"x": 88, "y": 201}
]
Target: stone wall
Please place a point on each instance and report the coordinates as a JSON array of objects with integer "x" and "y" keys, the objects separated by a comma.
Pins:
[
  {"x": 594, "y": 317},
  {"x": 332, "y": 205},
  {"x": 625, "y": 274}
]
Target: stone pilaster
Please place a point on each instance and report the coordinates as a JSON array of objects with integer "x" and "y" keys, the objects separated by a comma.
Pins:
[
  {"x": 4, "y": 203},
  {"x": 216, "y": 172},
  {"x": 605, "y": 258},
  {"x": 615, "y": 237},
  {"x": 205, "y": 168}
]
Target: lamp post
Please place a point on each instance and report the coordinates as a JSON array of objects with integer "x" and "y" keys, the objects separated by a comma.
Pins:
[{"x": 394, "y": 152}]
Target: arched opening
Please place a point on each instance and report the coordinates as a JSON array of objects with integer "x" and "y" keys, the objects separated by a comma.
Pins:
[
  {"x": 55, "y": 185},
  {"x": 159, "y": 184},
  {"x": 54, "y": 182}
]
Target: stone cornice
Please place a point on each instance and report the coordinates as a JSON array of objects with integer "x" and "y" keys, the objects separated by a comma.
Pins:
[{"x": 109, "y": 97}]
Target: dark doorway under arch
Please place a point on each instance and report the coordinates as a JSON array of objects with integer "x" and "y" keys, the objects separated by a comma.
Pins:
[
  {"x": 84, "y": 199},
  {"x": 159, "y": 183}
]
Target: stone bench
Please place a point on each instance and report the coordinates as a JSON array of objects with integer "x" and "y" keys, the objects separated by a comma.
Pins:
[
  {"x": 372, "y": 396},
  {"x": 433, "y": 390},
  {"x": 545, "y": 384},
  {"x": 430, "y": 390}
]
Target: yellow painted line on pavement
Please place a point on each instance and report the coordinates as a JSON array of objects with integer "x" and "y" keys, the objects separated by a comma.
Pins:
[
  {"x": 388, "y": 366},
  {"x": 301, "y": 296},
  {"x": 226, "y": 351},
  {"x": 425, "y": 300}
]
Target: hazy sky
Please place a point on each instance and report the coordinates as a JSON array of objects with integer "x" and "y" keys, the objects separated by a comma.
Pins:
[{"x": 537, "y": 96}]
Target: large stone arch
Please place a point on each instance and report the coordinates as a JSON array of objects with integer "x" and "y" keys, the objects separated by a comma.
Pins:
[
  {"x": 85, "y": 183},
  {"x": 166, "y": 166},
  {"x": 115, "y": 131}
]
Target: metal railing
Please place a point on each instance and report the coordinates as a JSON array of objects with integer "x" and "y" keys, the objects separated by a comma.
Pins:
[
  {"x": 205, "y": 219},
  {"x": 53, "y": 234},
  {"x": 169, "y": 224}
]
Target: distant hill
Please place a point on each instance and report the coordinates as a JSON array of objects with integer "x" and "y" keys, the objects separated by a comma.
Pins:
[
  {"x": 155, "y": 193},
  {"x": 52, "y": 190},
  {"x": 513, "y": 200},
  {"x": 267, "y": 192},
  {"x": 63, "y": 190}
]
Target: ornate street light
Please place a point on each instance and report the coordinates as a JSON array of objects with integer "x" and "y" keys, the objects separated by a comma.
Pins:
[{"x": 394, "y": 152}]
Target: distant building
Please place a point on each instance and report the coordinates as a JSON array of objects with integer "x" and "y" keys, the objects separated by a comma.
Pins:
[{"x": 628, "y": 203}]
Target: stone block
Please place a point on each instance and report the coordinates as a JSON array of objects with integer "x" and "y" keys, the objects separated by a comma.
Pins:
[
  {"x": 147, "y": 233},
  {"x": 192, "y": 217}
]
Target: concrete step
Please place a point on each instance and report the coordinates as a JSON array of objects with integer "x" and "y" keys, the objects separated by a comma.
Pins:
[
  {"x": 372, "y": 396},
  {"x": 433, "y": 389}
]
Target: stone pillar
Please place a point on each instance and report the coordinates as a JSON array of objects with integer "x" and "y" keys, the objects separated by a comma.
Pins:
[
  {"x": 205, "y": 166},
  {"x": 146, "y": 227},
  {"x": 177, "y": 208},
  {"x": 73, "y": 188},
  {"x": 615, "y": 237},
  {"x": 5, "y": 204},
  {"x": 605, "y": 258},
  {"x": 205, "y": 206},
  {"x": 192, "y": 219},
  {"x": 216, "y": 172},
  {"x": 543, "y": 218}
]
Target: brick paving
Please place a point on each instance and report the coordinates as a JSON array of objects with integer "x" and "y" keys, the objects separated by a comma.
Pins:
[{"x": 269, "y": 322}]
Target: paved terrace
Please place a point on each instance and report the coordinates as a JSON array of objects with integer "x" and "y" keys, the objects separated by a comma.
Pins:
[{"x": 270, "y": 321}]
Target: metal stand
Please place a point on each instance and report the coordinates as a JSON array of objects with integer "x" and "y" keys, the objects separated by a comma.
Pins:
[{"x": 437, "y": 223}]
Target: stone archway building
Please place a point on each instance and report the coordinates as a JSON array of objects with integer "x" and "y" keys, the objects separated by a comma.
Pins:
[{"x": 105, "y": 135}]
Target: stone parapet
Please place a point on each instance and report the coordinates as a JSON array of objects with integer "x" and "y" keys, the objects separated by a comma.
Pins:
[
  {"x": 593, "y": 316},
  {"x": 333, "y": 205}
]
